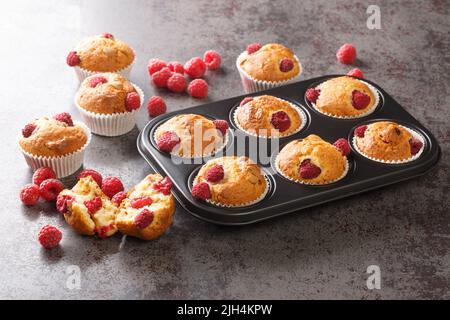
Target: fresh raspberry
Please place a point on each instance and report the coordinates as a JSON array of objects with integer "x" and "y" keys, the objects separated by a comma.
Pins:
[
  {"x": 50, "y": 188},
  {"x": 198, "y": 88},
  {"x": 245, "y": 100},
  {"x": 49, "y": 236},
  {"x": 63, "y": 201},
  {"x": 42, "y": 174},
  {"x": 111, "y": 186},
  {"x": 140, "y": 202},
  {"x": 360, "y": 100},
  {"x": 73, "y": 59},
  {"x": 156, "y": 106},
  {"x": 346, "y": 54},
  {"x": 132, "y": 101},
  {"x": 168, "y": 141},
  {"x": 215, "y": 173},
  {"x": 309, "y": 170},
  {"x": 359, "y": 132},
  {"x": 312, "y": 94},
  {"x": 356, "y": 73},
  {"x": 143, "y": 219},
  {"x": 108, "y": 36},
  {"x": 28, "y": 129},
  {"x": 415, "y": 145},
  {"x": 163, "y": 186},
  {"x": 201, "y": 191},
  {"x": 221, "y": 125},
  {"x": 96, "y": 80},
  {"x": 161, "y": 77},
  {"x": 177, "y": 83},
  {"x": 118, "y": 198},
  {"x": 343, "y": 146},
  {"x": 212, "y": 59},
  {"x": 93, "y": 205},
  {"x": 176, "y": 66},
  {"x": 286, "y": 65},
  {"x": 253, "y": 47},
  {"x": 64, "y": 117},
  {"x": 103, "y": 230},
  {"x": 29, "y": 194},
  {"x": 92, "y": 173},
  {"x": 281, "y": 121},
  {"x": 195, "y": 68},
  {"x": 154, "y": 65}
]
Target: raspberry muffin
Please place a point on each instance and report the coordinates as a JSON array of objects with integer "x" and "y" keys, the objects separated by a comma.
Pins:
[
  {"x": 191, "y": 135},
  {"x": 387, "y": 141},
  {"x": 230, "y": 182},
  {"x": 108, "y": 103},
  {"x": 87, "y": 209},
  {"x": 268, "y": 66},
  {"x": 268, "y": 116},
  {"x": 313, "y": 161},
  {"x": 101, "y": 53},
  {"x": 343, "y": 97},
  {"x": 148, "y": 210},
  {"x": 57, "y": 142}
]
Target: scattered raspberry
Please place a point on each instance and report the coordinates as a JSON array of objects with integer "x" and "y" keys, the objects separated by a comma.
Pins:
[
  {"x": 212, "y": 59},
  {"x": 343, "y": 146},
  {"x": 168, "y": 141},
  {"x": 50, "y": 188},
  {"x": 176, "y": 67},
  {"x": 28, "y": 129},
  {"x": 177, "y": 83},
  {"x": 94, "y": 174},
  {"x": 118, "y": 198},
  {"x": 356, "y": 73},
  {"x": 415, "y": 145},
  {"x": 29, "y": 194},
  {"x": 286, "y": 65},
  {"x": 73, "y": 59},
  {"x": 359, "y": 132},
  {"x": 93, "y": 205},
  {"x": 201, "y": 191},
  {"x": 143, "y": 219},
  {"x": 64, "y": 117},
  {"x": 360, "y": 100},
  {"x": 163, "y": 186},
  {"x": 96, "y": 80},
  {"x": 63, "y": 202},
  {"x": 252, "y": 48},
  {"x": 221, "y": 125},
  {"x": 281, "y": 121},
  {"x": 132, "y": 101},
  {"x": 161, "y": 77},
  {"x": 108, "y": 36},
  {"x": 140, "y": 202},
  {"x": 42, "y": 174},
  {"x": 215, "y": 173},
  {"x": 198, "y": 88},
  {"x": 49, "y": 236},
  {"x": 154, "y": 65},
  {"x": 312, "y": 94},
  {"x": 103, "y": 230},
  {"x": 156, "y": 106},
  {"x": 245, "y": 100},
  {"x": 111, "y": 186},
  {"x": 346, "y": 54},
  {"x": 195, "y": 68},
  {"x": 309, "y": 170}
]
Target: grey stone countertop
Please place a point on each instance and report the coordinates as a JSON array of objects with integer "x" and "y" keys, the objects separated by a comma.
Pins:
[{"x": 322, "y": 252}]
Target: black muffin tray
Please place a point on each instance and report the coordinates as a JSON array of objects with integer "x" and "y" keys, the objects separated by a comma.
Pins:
[{"x": 285, "y": 196}]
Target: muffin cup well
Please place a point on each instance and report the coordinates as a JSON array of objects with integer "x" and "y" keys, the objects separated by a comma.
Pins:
[
  {"x": 110, "y": 125},
  {"x": 62, "y": 165},
  {"x": 253, "y": 85}
]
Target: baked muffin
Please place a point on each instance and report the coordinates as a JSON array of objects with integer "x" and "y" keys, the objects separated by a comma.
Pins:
[
  {"x": 148, "y": 210},
  {"x": 87, "y": 209},
  {"x": 191, "y": 135},
  {"x": 230, "y": 181},
  {"x": 387, "y": 141},
  {"x": 313, "y": 161},
  {"x": 344, "y": 97},
  {"x": 268, "y": 116}
]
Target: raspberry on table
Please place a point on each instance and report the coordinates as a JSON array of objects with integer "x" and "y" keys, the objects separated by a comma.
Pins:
[
  {"x": 346, "y": 54},
  {"x": 29, "y": 194},
  {"x": 308, "y": 170},
  {"x": 156, "y": 106},
  {"x": 359, "y": 132},
  {"x": 49, "y": 236},
  {"x": 356, "y": 73},
  {"x": 198, "y": 88},
  {"x": 168, "y": 141},
  {"x": 139, "y": 202},
  {"x": 415, "y": 145},
  {"x": 94, "y": 174},
  {"x": 28, "y": 129},
  {"x": 118, "y": 198},
  {"x": 343, "y": 146},
  {"x": 360, "y": 100},
  {"x": 143, "y": 219},
  {"x": 253, "y": 47},
  {"x": 93, "y": 205},
  {"x": 96, "y": 80},
  {"x": 176, "y": 66},
  {"x": 286, "y": 65},
  {"x": 245, "y": 100},
  {"x": 201, "y": 191},
  {"x": 42, "y": 174},
  {"x": 177, "y": 83},
  {"x": 108, "y": 36},
  {"x": 163, "y": 186},
  {"x": 281, "y": 121},
  {"x": 212, "y": 59},
  {"x": 73, "y": 59},
  {"x": 215, "y": 173},
  {"x": 155, "y": 65},
  {"x": 161, "y": 77},
  {"x": 63, "y": 201},
  {"x": 221, "y": 125},
  {"x": 64, "y": 117},
  {"x": 312, "y": 94},
  {"x": 132, "y": 101},
  {"x": 50, "y": 188},
  {"x": 195, "y": 68},
  {"x": 111, "y": 186}
]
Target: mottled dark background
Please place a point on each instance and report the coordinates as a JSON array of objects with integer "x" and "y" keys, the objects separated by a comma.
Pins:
[{"x": 321, "y": 252}]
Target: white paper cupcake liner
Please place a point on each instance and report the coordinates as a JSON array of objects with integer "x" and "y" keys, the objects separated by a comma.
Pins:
[
  {"x": 63, "y": 165},
  {"x": 110, "y": 125},
  {"x": 253, "y": 85},
  {"x": 299, "y": 110},
  {"x": 414, "y": 157}
]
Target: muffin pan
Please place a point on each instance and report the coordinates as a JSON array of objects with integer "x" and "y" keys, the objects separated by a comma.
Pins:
[{"x": 285, "y": 196}]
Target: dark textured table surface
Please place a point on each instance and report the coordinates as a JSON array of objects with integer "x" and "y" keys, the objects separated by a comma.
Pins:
[{"x": 321, "y": 252}]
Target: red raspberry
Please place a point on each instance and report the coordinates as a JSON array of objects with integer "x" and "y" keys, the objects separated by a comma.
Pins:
[
  {"x": 312, "y": 94},
  {"x": 93, "y": 205},
  {"x": 108, "y": 36},
  {"x": 140, "y": 202},
  {"x": 63, "y": 201},
  {"x": 415, "y": 145},
  {"x": 168, "y": 141},
  {"x": 201, "y": 191},
  {"x": 253, "y": 47},
  {"x": 359, "y": 132},
  {"x": 29, "y": 194},
  {"x": 73, "y": 59},
  {"x": 215, "y": 173},
  {"x": 156, "y": 106},
  {"x": 96, "y": 80},
  {"x": 309, "y": 170},
  {"x": 64, "y": 117},
  {"x": 94, "y": 174},
  {"x": 356, "y": 73},
  {"x": 154, "y": 65},
  {"x": 176, "y": 83},
  {"x": 143, "y": 219},
  {"x": 346, "y": 54},
  {"x": 49, "y": 236},
  {"x": 221, "y": 125},
  {"x": 103, "y": 230},
  {"x": 118, "y": 198},
  {"x": 163, "y": 186},
  {"x": 132, "y": 101},
  {"x": 161, "y": 77},
  {"x": 28, "y": 129},
  {"x": 343, "y": 146},
  {"x": 212, "y": 59},
  {"x": 50, "y": 188},
  {"x": 111, "y": 186},
  {"x": 176, "y": 66},
  {"x": 195, "y": 68},
  {"x": 286, "y": 65},
  {"x": 198, "y": 88},
  {"x": 360, "y": 100},
  {"x": 42, "y": 174},
  {"x": 245, "y": 100},
  {"x": 281, "y": 121}
]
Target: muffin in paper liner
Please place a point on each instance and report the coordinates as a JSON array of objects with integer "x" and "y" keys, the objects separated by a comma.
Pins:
[
  {"x": 414, "y": 157},
  {"x": 110, "y": 125},
  {"x": 63, "y": 165}
]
